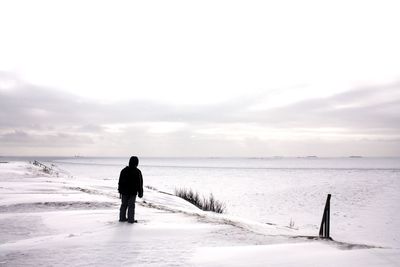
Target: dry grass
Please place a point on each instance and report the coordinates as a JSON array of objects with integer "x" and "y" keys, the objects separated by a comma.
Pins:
[{"x": 206, "y": 204}]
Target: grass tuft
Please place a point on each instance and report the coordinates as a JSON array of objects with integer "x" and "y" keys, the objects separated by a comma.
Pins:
[
  {"x": 206, "y": 204},
  {"x": 150, "y": 187},
  {"x": 45, "y": 169}
]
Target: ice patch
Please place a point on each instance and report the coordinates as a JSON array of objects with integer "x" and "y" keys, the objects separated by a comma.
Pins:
[
  {"x": 20, "y": 227},
  {"x": 56, "y": 206}
]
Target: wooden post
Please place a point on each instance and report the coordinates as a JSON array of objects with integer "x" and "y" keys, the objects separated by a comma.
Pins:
[{"x": 324, "y": 230}]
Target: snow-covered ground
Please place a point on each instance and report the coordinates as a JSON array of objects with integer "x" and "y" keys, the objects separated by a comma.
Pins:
[
  {"x": 279, "y": 191},
  {"x": 56, "y": 220}
]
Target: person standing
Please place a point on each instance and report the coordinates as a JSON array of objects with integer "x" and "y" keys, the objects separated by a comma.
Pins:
[{"x": 130, "y": 184}]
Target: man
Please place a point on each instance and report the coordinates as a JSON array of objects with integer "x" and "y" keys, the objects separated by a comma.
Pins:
[{"x": 130, "y": 184}]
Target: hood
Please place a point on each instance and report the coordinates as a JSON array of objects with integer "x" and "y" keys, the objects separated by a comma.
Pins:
[{"x": 133, "y": 162}]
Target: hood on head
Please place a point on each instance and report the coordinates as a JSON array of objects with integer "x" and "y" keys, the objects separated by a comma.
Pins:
[{"x": 133, "y": 162}]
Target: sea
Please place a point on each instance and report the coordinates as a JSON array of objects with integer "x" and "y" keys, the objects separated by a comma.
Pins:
[{"x": 287, "y": 192}]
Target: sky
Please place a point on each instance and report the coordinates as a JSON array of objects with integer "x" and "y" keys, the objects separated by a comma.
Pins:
[{"x": 200, "y": 78}]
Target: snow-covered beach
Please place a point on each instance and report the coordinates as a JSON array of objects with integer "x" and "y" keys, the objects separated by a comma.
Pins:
[
  {"x": 284, "y": 115},
  {"x": 58, "y": 219}
]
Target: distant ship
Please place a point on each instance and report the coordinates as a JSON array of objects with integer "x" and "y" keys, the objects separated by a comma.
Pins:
[{"x": 355, "y": 157}]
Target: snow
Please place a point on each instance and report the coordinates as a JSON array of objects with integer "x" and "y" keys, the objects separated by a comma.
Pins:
[
  {"x": 50, "y": 220},
  {"x": 302, "y": 254}
]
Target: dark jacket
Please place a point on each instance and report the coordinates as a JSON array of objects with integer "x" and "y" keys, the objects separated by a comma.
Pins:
[{"x": 130, "y": 181}]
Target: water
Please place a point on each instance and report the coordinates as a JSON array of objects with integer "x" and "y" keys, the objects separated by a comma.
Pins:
[{"x": 365, "y": 191}]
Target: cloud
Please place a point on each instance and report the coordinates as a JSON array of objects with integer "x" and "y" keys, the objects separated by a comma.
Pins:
[
  {"x": 34, "y": 116},
  {"x": 374, "y": 107},
  {"x": 28, "y": 105},
  {"x": 22, "y": 138}
]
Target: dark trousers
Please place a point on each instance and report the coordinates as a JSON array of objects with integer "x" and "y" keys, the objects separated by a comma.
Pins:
[{"x": 127, "y": 202}]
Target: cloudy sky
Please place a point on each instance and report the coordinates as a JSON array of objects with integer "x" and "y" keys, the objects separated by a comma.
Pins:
[{"x": 200, "y": 78}]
